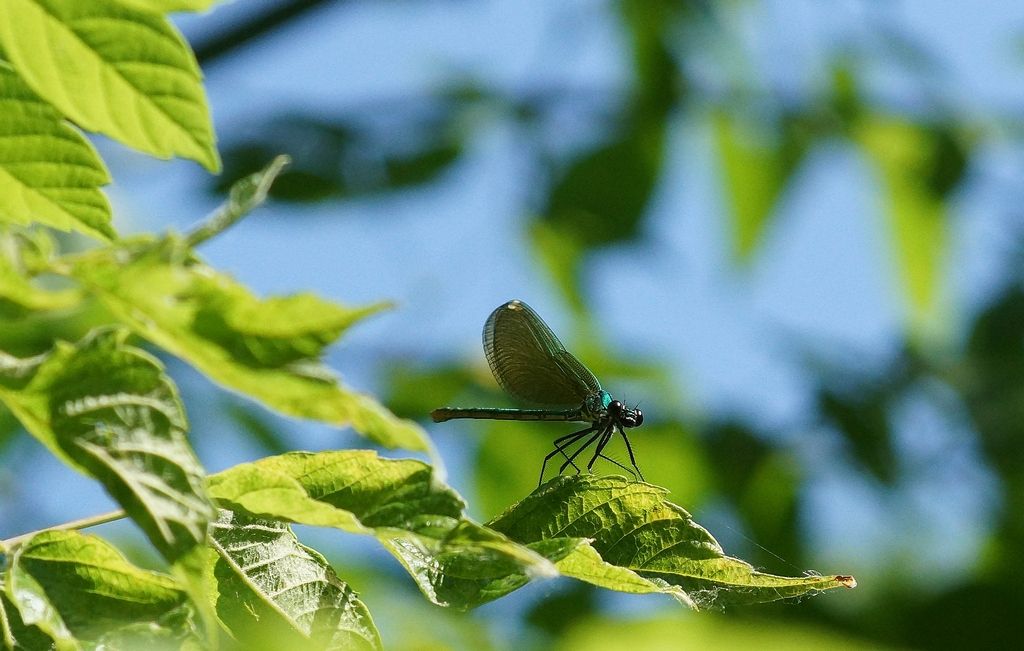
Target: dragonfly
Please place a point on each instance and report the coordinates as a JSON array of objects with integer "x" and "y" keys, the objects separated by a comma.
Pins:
[{"x": 531, "y": 364}]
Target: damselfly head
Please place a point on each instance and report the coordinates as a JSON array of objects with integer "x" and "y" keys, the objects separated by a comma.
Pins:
[
  {"x": 625, "y": 416},
  {"x": 634, "y": 415}
]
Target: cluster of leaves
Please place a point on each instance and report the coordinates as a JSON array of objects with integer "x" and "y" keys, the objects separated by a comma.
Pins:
[{"x": 236, "y": 573}]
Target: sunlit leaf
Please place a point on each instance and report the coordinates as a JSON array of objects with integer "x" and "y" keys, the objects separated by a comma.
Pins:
[
  {"x": 78, "y": 587},
  {"x": 917, "y": 171},
  {"x": 585, "y": 564},
  {"x": 633, "y": 527},
  {"x": 266, "y": 349},
  {"x": 15, "y": 374},
  {"x": 49, "y": 173},
  {"x": 109, "y": 410},
  {"x": 274, "y": 593},
  {"x": 755, "y": 166},
  {"x": 276, "y": 331},
  {"x": 168, "y": 6},
  {"x": 17, "y": 635},
  {"x": 113, "y": 69},
  {"x": 454, "y": 561},
  {"x": 19, "y": 292}
]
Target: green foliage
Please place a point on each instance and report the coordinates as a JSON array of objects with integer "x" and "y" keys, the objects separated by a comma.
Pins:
[
  {"x": 911, "y": 164},
  {"x": 19, "y": 635},
  {"x": 78, "y": 588},
  {"x": 754, "y": 174},
  {"x": 419, "y": 520},
  {"x": 108, "y": 409},
  {"x": 105, "y": 54},
  {"x": 599, "y": 199},
  {"x": 19, "y": 296},
  {"x": 631, "y": 526},
  {"x": 167, "y": 6},
  {"x": 274, "y": 593},
  {"x": 208, "y": 325},
  {"x": 570, "y": 521},
  {"x": 49, "y": 173}
]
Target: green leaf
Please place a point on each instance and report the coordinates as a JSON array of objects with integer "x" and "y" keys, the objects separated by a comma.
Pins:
[
  {"x": 30, "y": 250},
  {"x": 26, "y": 300},
  {"x": 276, "y": 331},
  {"x": 31, "y": 609},
  {"x": 109, "y": 410},
  {"x": 113, "y": 69},
  {"x": 207, "y": 319},
  {"x": 915, "y": 186},
  {"x": 632, "y": 526},
  {"x": 19, "y": 636},
  {"x": 78, "y": 587},
  {"x": 49, "y": 173},
  {"x": 169, "y": 6},
  {"x": 274, "y": 593},
  {"x": 754, "y": 172},
  {"x": 585, "y": 564},
  {"x": 454, "y": 561},
  {"x": 18, "y": 293}
]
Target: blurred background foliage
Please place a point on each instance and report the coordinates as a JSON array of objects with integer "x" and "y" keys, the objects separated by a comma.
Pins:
[{"x": 878, "y": 431}]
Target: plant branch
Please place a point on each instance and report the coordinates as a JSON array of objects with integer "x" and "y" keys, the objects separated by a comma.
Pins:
[
  {"x": 244, "y": 196},
  {"x": 83, "y": 523}
]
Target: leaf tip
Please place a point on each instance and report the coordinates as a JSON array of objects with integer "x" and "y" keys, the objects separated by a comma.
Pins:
[
  {"x": 209, "y": 158},
  {"x": 105, "y": 232}
]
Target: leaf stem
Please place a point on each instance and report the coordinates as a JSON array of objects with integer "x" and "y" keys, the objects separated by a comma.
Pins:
[
  {"x": 243, "y": 197},
  {"x": 83, "y": 523}
]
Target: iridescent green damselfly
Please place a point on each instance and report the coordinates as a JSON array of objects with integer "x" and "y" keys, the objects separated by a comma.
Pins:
[{"x": 532, "y": 365}]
